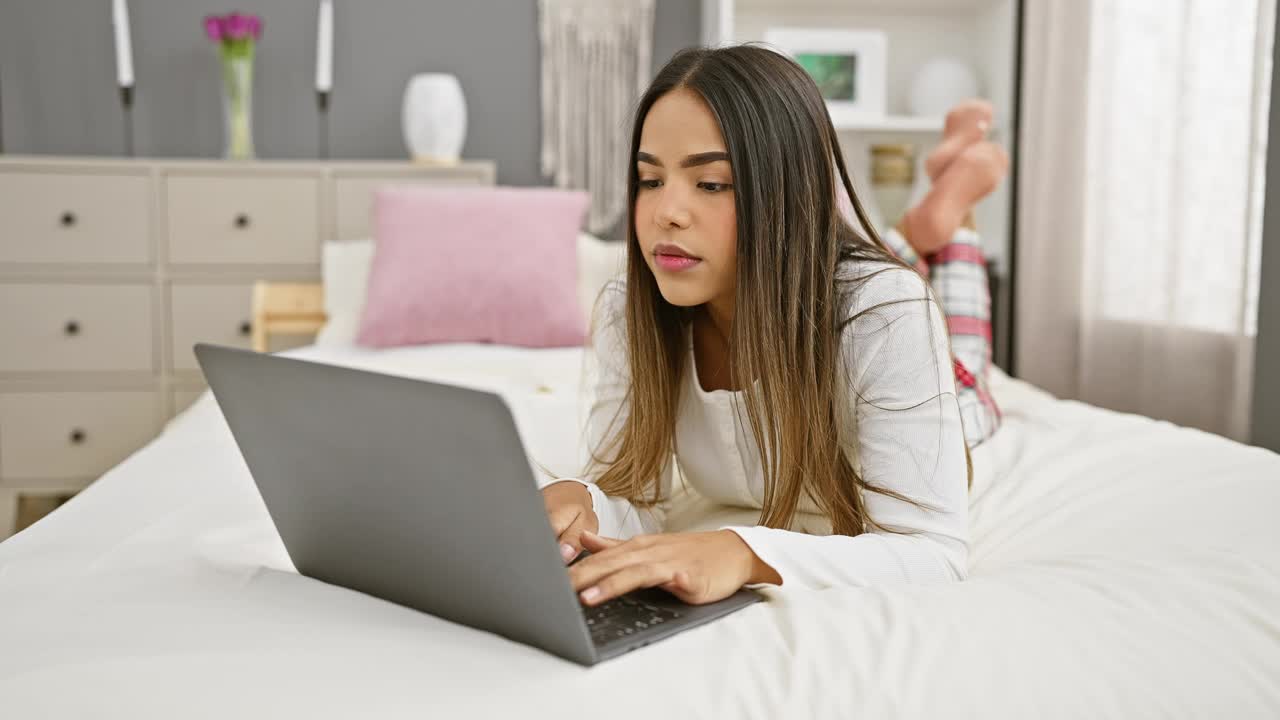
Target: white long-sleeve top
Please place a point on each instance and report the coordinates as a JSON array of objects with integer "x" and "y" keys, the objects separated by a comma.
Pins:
[{"x": 900, "y": 408}]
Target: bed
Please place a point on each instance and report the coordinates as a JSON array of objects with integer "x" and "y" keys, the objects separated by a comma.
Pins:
[{"x": 1120, "y": 567}]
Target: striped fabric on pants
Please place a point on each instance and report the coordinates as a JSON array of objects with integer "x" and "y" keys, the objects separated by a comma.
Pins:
[{"x": 958, "y": 275}]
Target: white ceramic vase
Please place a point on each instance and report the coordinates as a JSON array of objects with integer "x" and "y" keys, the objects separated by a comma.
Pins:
[{"x": 434, "y": 118}]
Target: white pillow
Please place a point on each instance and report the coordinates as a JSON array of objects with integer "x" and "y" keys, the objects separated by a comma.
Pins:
[
  {"x": 344, "y": 266},
  {"x": 598, "y": 263}
]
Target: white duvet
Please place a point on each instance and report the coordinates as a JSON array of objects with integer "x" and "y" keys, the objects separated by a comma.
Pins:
[{"x": 1120, "y": 568}]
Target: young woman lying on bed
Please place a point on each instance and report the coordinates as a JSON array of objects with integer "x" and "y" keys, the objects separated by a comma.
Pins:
[{"x": 745, "y": 271}]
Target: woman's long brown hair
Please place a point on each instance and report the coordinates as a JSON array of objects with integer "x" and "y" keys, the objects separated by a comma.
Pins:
[{"x": 790, "y": 297}]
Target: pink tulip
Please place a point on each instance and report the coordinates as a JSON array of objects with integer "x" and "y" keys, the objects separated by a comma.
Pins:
[
  {"x": 213, "y": 27},
  {"x": 232, "y": 27},
  {"x": 237, "y": 26}
]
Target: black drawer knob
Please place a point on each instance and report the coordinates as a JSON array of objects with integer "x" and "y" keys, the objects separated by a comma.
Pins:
[
  {"x": 246, "y": 327},
  {"x": 72, "y": 328},
  {"x": 68, "y": 219},
  {"x": 77, "y": 436},
  {"x": 242, "y": 221}
]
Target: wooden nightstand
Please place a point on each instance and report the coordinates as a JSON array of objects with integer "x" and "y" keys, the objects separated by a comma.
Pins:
[{"x": 286, "y": 309}]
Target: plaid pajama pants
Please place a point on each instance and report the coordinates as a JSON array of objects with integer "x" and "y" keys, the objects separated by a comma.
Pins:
[{"x": 958, "y": 275}]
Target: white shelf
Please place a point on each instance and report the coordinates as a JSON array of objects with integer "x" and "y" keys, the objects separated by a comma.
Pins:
[
  {"x": 894, "y": 123},
  {"x": 903, "y": 7},
  {"x": 903, "y": 124}
]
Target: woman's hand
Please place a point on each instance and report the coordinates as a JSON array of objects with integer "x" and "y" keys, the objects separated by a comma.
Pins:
[
  {"x": 698, "y": 568},
  {"x": 570, "y": 510}
]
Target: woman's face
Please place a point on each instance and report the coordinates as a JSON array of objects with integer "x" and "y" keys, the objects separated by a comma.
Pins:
[{"x": 685, "y": 219}]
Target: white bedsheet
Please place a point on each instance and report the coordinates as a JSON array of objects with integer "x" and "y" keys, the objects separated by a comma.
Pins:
[{"x": 1120, "y": 568}]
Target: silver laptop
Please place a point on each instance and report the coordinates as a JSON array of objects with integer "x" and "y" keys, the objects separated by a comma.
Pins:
[{"x": 422, "y": 494}]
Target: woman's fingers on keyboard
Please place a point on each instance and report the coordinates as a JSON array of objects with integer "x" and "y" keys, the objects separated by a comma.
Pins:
[
  {"x": 679, "y": 585},
  {"x": 571, "y": 539},
  {"x": 596, "y": 543},
  {"x": 631, "y": 577}
]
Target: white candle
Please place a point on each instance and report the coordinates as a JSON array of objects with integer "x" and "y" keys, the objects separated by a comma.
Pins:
[
  {"x": 124, "y": 50},
  {"x": 324, "y": 47}
]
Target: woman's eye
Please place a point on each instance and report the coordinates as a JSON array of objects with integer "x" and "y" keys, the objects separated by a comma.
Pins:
[
  {"x": 714, "y": 187},
  {"x": 650, "y": 184}
]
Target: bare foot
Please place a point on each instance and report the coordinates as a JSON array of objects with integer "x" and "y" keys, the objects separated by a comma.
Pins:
[
  {"x": 966, "y": 124},
  {"x": 969, "y": 177}
]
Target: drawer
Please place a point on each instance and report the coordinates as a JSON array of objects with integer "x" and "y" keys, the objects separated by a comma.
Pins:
[
  {"x": 69, "y": 218},
  {"x": 57, "y": 435},
  {"x": 218, "y": 314},
  {"x": 353, "y": 200},
  {"x": 183, "y": 398},
  {"x": 28, "y": 506},
  {"x": 243, "y": 219},
  {"x": 73, "y": 327}
]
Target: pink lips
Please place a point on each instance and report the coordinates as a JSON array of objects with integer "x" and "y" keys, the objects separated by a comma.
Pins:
[{"x": 672, "y": 257}]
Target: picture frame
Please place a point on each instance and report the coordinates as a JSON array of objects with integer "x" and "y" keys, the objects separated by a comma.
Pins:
[{"x": 849, "y": 67}]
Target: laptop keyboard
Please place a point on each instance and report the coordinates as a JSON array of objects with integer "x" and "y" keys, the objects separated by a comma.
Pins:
[{"x": 623, "y": 617}]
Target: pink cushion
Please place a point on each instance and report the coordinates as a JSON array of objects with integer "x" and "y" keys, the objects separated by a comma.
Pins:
[{"x": 493, "y": 264}]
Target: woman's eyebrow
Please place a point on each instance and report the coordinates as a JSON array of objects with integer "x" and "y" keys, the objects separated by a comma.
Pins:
[{"x": 691, "y": 161}]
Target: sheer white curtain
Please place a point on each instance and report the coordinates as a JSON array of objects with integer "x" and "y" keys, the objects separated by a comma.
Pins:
[{"x": 1143, "y": 153}]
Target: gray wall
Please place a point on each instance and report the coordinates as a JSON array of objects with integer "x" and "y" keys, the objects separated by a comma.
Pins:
[
  {"x": 57, "y": 76},
  {"x": 1266, "y": 381}
]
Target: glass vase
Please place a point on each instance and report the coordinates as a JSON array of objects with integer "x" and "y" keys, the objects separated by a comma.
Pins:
[{"x": 237, "y": 106}]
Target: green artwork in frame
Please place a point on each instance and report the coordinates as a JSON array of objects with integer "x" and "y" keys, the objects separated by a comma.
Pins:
[{"x": 836, "y": 74}]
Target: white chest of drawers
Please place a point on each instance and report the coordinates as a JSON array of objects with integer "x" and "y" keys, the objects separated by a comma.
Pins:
[{"x": 111, "y": 269}]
